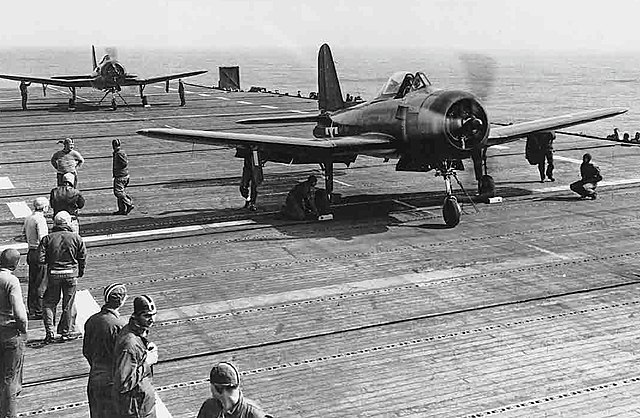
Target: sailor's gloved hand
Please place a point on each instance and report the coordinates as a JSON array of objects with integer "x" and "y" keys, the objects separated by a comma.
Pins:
[{"x": 152, "y": 354}]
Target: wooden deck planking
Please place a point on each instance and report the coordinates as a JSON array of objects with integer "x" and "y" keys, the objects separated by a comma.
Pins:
[{"x": 487, "y": 261}]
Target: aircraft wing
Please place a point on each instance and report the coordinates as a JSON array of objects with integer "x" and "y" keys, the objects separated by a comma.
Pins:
[
  {"x": 159, "y": 79},
  {"x": 84, "y": 82},
  {"x": 314, "y": 148},
  {"x": 508, "y": 133}
]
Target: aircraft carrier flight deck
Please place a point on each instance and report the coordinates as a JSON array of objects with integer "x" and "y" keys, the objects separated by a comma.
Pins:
[{"x": 527, "y": 308}]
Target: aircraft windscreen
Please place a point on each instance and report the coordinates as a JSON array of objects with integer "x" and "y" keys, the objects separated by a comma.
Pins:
[
  {"x": 403, "y": 80},
  {"x": 391, "y": 87},
  {"x": 105, "y": 58}
]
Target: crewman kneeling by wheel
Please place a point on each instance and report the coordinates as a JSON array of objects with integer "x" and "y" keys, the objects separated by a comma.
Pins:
[{"x": 304, "y": 201}]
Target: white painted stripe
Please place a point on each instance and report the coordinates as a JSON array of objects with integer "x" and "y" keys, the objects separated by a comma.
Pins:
[
  {"x": 147, "y": 233},
  {"x": 86, "y": 306},
  {"x": 173, "y": 89},
  {"x": 19, "y": 209},
  {"x": 401, "y": 203},
  {"x": 204, "y": 94},
  {"x": 551, "y": 253},
  {"x": 222, "y": 98},
  {"x": 297, "y": 111},
  {"x": 600, "y": 184},
  {"x": 5, "y": 183},
  {"x": 161, "y": 409},
  {"x": 571, "y": 160},
  {"x": 269, "y": 107},
  {"x": 189, "y": 91},
  {"x": 9, "y": 100},
  {"x": 243, "y": 102},
  {"x": 334, "y": 180},
  {"x": 500, "y": 147},
  {"x": 421, "y": 279},
  {"x": 68, "y": 93},
  {"x": 157, "y": 86}
]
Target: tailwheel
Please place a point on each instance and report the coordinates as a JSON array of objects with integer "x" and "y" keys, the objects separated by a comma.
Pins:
[{"x": 451, "y": 211}]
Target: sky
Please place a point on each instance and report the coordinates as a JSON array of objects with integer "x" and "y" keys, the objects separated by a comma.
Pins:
[{"x": 556, "y": 25}]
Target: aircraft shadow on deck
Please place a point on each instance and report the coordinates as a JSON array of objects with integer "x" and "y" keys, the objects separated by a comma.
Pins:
[{"x": 354, "y": 215}]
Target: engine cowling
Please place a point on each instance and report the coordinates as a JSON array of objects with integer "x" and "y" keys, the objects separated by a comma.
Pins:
[
  {"x": 113, "y": 71},
  {"x": 449, "y": 125}
]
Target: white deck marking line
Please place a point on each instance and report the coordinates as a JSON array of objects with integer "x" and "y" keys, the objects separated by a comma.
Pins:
[
  {"x": 551, "y": 253},
  {"x": 19, "y": 209},
  {"x": 269, "y": 107},
  {"x": 147, "y": 233},
  {"x": 419, "y": 279},
  {"x": 157, "y": 86},
  {"x": 222, "y": 98},
  {"x": 500, "y": 147},
  {"x": 161, "y": 409},
  {"x": 86, "y": 306},
  {"x": 602, "y": 183},
  {"x": 401, "y": 203},
  {"x": 243, "y": 102},
  {"x": 9, "y": 100},
  {"x": 298, "y": 111},
  {"x": 334, "y": 180},
  {"x": 571, "y": 160},
  {"x": 169, "y": 126},
  {"x": 5, "y": 183},
  {"x": 204, "y": 94},
  {"x": 68, "y": 93}
]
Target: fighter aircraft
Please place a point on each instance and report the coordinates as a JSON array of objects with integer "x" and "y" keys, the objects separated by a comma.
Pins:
[
  {"x": 108, "y": 75},
  {"x": 409, "y": 120}
]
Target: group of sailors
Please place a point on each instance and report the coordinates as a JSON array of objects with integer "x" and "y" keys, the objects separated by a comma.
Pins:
[{"x": 625, "y": 137}]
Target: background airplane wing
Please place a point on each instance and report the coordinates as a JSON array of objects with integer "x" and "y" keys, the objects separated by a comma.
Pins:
[
  {"x": 508, "y": 133},
  {"x": 139, "y": 81},
  {"x": 315, "y": 148},
  {"x": 84, "y": 82}
]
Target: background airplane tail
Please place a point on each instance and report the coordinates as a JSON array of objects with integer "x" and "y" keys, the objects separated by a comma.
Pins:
[
  {"x": 93, "y": 55},
  {"x": 329, "y": 93}
]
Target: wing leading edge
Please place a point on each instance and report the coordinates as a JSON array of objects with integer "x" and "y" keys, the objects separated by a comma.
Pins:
[
  {"x": 159, "y": 79},
  {"x": 503, "y": 134},
  {"x": 321, "y": 148},
  {"x": 82, "y": 82}
]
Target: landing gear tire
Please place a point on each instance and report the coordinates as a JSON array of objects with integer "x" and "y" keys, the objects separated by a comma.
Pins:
[
  {"x": 451, "y": 211},
  {"x": 114, "y": 105},
  {"x": 486, "y": 186},
  {"x": 72, "y": 104}
]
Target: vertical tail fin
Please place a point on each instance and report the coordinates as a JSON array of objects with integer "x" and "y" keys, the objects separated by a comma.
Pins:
[
  {"x": 93, "y": 55},
  {"x": 329, "y": 93}
]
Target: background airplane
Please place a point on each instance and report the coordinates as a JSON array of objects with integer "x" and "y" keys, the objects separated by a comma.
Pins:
[
  {"x": 409, "y": 120},
  {"x": 108, "y": 75}
]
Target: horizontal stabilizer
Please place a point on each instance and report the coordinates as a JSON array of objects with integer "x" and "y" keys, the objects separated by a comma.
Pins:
[{"x": 282, "y": 119}]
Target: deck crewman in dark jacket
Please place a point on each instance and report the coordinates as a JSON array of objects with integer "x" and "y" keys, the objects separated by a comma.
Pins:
[
  {"x": 590, "y": 176},
  {"x": 301, "y": 200},
  {"x": 100, "y": 332},
  {"x": 545, "y": 141},
  {"x": 64, "y": 254},
  {"x": 227, "y": 399},
  {"x": 24, "y": 93},
  {"x": 121, "y": 178},
  {"x": 67, "y": 198},
  {"x": 134, "y": 358}
]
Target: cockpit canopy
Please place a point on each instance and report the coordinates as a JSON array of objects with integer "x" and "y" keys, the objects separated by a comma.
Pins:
[
  {"x": 105, "y": 58},
  {"x": 402, "y": 82}
]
